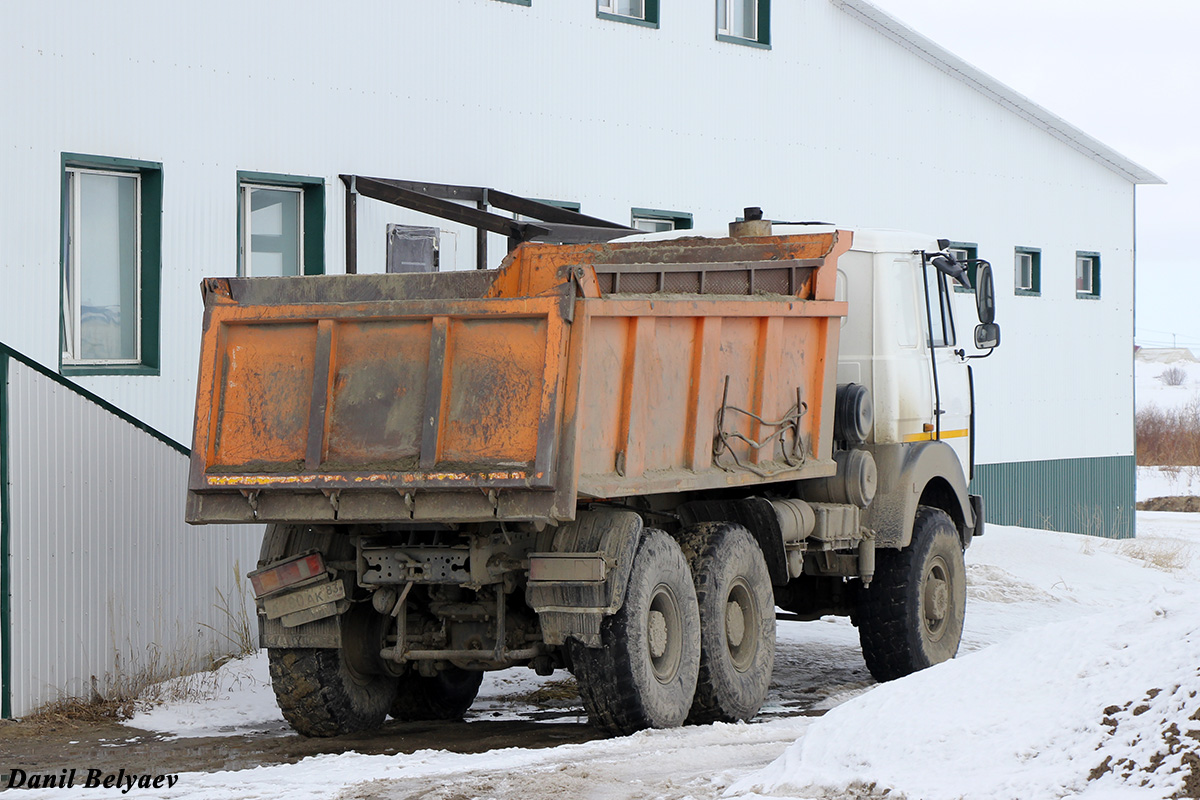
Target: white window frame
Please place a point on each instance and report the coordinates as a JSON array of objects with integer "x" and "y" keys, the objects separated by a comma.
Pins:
[
  {"x": 244, "y": 245},
  {"x": 725, "y": 21},
  {"x": 1085, "y": 268},
  {"x": 610, "y": 7},
  {"x": 1021, "y": 259},
  {"x": 72, "y": 286},
  {"x": 656, "y": 222}
]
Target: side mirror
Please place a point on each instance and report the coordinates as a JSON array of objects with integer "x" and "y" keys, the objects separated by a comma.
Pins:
[
  {"x": 985, "y": 296},
  {"x": 987, "y": 336}
]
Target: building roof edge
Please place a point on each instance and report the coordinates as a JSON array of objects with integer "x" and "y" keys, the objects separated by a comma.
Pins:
[{"x": 1014, "y": 101}]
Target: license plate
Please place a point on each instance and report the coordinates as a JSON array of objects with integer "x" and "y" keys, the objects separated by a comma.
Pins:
[{"x": 301, "y": 599}]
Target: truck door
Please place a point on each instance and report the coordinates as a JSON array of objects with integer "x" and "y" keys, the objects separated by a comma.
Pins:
[{"x": 951, "y": 411}]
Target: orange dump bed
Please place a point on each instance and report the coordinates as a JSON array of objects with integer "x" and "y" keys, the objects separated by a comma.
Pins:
[{"x": 572, "y": 372}]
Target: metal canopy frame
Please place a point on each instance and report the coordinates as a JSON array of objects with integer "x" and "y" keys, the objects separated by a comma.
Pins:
[{"x": 552, "y": 223}]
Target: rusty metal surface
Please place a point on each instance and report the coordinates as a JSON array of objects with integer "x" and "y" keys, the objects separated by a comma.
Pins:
[
  {"x": 315, "y": 289},
  {"x": 520, "y": 397}
]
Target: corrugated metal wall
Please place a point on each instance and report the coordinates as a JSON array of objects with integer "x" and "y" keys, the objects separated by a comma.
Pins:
[
  {"x": 105, "y": 578},
  {"x": 1095, "y": 496}
]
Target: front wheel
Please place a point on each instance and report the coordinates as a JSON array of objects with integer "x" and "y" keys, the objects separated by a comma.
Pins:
[
  {"x": 911, "y": 616},
  {"x": 644, "y": 673}
]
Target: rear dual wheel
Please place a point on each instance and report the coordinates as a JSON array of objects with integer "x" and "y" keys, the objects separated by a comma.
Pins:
[
  {"x": 644, "y": 673},
  {"x": 737, "y": 623},
  {"x": 330, "y": 692}
]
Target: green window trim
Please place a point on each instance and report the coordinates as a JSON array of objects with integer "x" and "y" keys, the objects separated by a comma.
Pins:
[
  {"x": 972, "y": 250},
  {"x": 681, "y": 220},
  {"x": 1035, "y": 288},
  {"x": 763, "y": 39},
  {"x": 518, "y": 2},
  {"x": 1094, "y": 294},
  {"x": 150, "y": 244},
  {"x": 314, "y": 214},
  {"x": 650, "y": 20}
]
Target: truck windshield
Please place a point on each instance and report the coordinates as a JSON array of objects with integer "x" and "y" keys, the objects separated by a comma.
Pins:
[{"x": 940, "y": 308}]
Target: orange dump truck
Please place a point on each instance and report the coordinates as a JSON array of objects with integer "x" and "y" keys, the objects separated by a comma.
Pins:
[{"x": 615, "y": 459}]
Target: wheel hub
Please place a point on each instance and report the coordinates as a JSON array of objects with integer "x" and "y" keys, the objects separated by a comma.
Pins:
[
  {"x": 657, "y": 634},
  {"x": 664, "y": 634},
  {"x": 735, "y": 623},
  {"x": 936, "y": 598},
  {"x": 743, "y": 620}
]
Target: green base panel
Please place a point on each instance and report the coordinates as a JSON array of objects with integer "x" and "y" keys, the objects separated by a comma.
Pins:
[{"x": 1093, "y": 496}]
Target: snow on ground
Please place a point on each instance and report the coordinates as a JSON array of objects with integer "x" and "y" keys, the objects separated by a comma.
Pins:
[
  {"x": 234, "y": 699},
  {"x": 1150, "y": 388},
  {"x": 1079, "y": 655},
  {"x": 1167, "y": 482}
]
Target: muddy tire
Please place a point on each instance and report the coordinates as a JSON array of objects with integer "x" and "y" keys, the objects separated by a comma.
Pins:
[
  {"x": 328, "y": 692},
  {"x": 911, "y": 616},
  {"x": 737, "y": 622},
  {"x": 644, "y": 674},
  {"x": 445, "y": 696}
]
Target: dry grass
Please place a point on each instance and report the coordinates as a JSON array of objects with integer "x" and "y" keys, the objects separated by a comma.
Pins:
[
  {"x": 1158, "y": 554},
  {"x": 1169, "y": 437},
  {"x": 233, "y": 607}
]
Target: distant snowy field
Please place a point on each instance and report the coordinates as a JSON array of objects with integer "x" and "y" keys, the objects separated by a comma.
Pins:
[
  {"x": 1079, "y": 676},
  {"x": 1151, "y": 390}
]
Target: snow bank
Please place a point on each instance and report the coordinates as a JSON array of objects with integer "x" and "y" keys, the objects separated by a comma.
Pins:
[
  {"x": 237, "y": 697},
  {"x": 1102, "y": 707}
]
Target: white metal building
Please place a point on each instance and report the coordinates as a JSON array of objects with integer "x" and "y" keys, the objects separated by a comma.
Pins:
[{"x": 147, "y": 146}]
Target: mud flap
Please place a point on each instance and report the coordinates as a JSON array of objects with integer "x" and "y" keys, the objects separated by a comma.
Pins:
[{"x": 572, "y": 596}]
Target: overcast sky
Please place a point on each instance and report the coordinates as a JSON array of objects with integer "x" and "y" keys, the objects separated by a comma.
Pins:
[{"x": 1127, "y": 72}]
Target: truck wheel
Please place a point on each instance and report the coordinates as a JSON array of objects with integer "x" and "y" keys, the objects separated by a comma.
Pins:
[
  {"x": 737, "y": 623},
  {"x": 446, "y": 695},
  {"x": 911, "y": 616},
  {"x": 644, "y": 673},
  {"x": 323, "y": 691}
]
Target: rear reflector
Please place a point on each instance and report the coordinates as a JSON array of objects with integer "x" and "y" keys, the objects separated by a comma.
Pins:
[{"x": 287, "y": 574}]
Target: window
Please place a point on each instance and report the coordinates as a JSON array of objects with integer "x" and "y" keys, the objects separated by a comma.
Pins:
[
  {"x": 744, "y": 22},
  {"x": 654, "y": 220},
  {"x": 940, "y": 308},
  {"x": 965, "y": 251},
  {"x": 1027, "y": 271},
  {"x": 638, "y": 12},
  {"x": 281, "y": 225},
  {"x": 111, "y": 253},
  {"x": 1087, "y": 275},
  {"x": 518, "y": 2}
]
